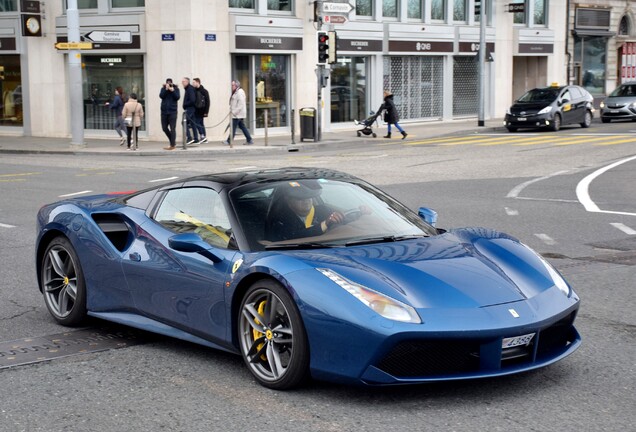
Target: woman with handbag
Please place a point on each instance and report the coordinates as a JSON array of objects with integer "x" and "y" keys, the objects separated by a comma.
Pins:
[{"x": 132, "y": 113}]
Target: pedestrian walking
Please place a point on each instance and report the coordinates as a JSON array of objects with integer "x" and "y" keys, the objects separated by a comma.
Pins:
[
  {"x": 201, "y": 108},
  {"x": 239, "y": 112},
  {"x": 133, "y": 112},
  {"x": 189, "y": 101},
  {"x": 117, "y": 105},
  {"x": 170, "y": 96},
  {"x": 391, "y": 115}
]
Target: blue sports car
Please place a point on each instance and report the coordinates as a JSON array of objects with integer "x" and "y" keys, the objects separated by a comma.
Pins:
[{"x": 306, "y": 272}]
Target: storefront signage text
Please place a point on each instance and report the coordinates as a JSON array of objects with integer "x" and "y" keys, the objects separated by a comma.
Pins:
[
  {"x": 111, "y": 60},
  {"x": 30, "y": 6},
  {"x": 421, "y": 46},
  {"x": 269, "y": 43},
  {"x": 359, "y": 45},
  {"x": 468, "y": 47},
  {"x": 528, "y": 48},
  {"x": 517, "y": 7}
]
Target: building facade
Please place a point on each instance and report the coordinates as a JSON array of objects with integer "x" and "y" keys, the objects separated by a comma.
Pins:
[
  {"x": 424, "y": 51},
  {"x": 602, "y": 44}
]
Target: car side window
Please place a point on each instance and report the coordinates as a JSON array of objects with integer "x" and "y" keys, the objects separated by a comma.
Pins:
[
  {"x": 198, "y": 210},
  {"x": 576, "y": 93},
  {"x": 566, "y": 95}
]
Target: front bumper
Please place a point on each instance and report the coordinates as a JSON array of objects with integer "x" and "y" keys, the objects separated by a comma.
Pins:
[
  {"x": 529, "y": 121},
  {"x": 624, "y": 113}
]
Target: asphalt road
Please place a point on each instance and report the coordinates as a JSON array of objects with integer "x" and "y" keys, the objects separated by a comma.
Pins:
[{"x": 524, "y": 184}]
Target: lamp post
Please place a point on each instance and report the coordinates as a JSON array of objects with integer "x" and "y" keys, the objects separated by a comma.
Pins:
[
  {"x": 482, "y": 64},
  {"x": 75, "y": 76}
]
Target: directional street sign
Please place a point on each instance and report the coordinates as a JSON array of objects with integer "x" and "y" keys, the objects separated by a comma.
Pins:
[
  {"x": 122, "y": 37},
  {"x": 335, "y": 19},
  {"x": 74, "y": 45},
  {"x": 339, "y": 8}
]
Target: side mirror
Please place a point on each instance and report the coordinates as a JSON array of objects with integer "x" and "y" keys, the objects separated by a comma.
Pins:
[
  {"x": 564, "y": 101},
  {"x": 428, "y": 215},
  {"x": 191, "y": 242}
]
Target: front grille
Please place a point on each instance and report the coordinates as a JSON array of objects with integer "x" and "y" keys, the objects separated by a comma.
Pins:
[
  {"x": 556, "y": 337},
  {"x": 615, "y": 106},
  {"x": 430, "y": 358}
]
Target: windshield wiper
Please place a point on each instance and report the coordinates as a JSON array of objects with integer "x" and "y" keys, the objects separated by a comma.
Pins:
[
  {"x": 385, "y": 239},
  {"x": 302, "y": 245}
]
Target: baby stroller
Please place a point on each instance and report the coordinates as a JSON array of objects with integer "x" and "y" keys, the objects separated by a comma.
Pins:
[{"x": 367, "y": 125}]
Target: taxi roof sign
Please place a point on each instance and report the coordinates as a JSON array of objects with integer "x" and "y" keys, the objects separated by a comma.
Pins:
[
  {"x": 74, "y": 45},
  {"x": 555, "y": 84}
]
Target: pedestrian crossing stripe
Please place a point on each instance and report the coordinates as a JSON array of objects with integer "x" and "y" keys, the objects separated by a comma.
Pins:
[{"x": 525, "y": 140}]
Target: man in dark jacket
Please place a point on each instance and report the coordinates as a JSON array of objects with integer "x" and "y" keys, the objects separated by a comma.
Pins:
[
  {"x": 391, "y": 114},
  {"x": 202, "y": 108},
  {"x": 189, "y": 102},
  {"x": 295, "y": 215},
  {"x": 169, "y": 95}
]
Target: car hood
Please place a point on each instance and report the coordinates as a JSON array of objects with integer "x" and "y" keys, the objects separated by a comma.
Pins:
[
  {"x": 459, "y": 269},
  {"x": 530, "y": 107},
  {"x": 620, "y": 100}
]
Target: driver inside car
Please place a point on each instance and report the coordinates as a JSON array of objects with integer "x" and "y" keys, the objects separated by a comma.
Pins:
[{"x": 297, "y": 216}]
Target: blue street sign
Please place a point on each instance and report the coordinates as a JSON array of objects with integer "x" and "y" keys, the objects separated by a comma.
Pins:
[
  {"x": 210, "y": 37},
  {"x": 167, "y": 37}
]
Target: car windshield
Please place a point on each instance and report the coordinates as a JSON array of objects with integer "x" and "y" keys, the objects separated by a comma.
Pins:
[
  {"x": 303, "y": 214},
  {"x": 540, "y": 95},
  {"x": 624, "y": 90}
]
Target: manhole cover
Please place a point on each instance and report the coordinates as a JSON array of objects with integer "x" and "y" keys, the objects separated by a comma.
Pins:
[{"x": 33, "y": 350}]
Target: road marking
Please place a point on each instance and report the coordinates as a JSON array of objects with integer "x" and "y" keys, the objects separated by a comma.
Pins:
[
  {"x": 514, "y": 193},
  {"x": 95, "y": 174},
  {"x": 511, "y": 212},
  {"x": 162, "y": 179},
  {"x": 6, "y": 225},
  {"x": 12, "y": 180},
  {"x": 627, "y": 230},
  {"x": 243, "y": 168},
  {"x": 74, "y": 194},
  {"x": 546, "y": 239},
  {"x": 583, "y": 189},
  {"x": 20, "y": 174},
  {"x": 614, "y": 142}
]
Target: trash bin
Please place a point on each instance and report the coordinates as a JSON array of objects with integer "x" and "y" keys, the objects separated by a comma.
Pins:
[{"x": 307, "y": 124}]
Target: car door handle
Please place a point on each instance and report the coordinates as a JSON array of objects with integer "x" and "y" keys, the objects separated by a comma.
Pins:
[{"x": 134, "y": 257}]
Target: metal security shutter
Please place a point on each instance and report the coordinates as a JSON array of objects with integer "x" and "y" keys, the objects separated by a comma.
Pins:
[
  {"x": 592, "y": 19},
  {"x": 465, "y": 86},
  {"x": 417, "y": 83}
]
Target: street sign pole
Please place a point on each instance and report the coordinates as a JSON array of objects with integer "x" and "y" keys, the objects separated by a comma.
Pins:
[
  {"x": 319, "y": 79},
  {"x": 482, "y": 65},
  {"x": 75, "y": 76}
]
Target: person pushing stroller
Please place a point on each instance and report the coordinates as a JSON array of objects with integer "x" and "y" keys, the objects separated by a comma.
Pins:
[{"x": 390, "y": 114}]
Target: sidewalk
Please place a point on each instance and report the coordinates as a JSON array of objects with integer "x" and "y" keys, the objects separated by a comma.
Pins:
[{"x": 279, "y": 143}]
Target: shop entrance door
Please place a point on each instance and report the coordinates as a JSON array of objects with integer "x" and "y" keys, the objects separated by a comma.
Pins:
[
  {"x": 528, "y": 73},
  {"x": 349, "y": 89}
]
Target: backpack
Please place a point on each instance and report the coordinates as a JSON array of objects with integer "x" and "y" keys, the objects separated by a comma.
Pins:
[{"x": 200, "y": 100}]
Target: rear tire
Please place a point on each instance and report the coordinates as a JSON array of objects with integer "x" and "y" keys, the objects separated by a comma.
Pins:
[
  {"x": 272, "y": 337},
  {"x": 556, "y": 123},
  {"x": 63, "y": 284},
  {"x": 375, "y": 135},
  {"x": 359, "y": 134},
  {"x": 587, "y": 121},
  {"x": 606, "y": 120}
]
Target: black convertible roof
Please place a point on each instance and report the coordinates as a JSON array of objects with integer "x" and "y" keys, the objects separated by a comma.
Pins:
[{"x": 282, "y": 174}]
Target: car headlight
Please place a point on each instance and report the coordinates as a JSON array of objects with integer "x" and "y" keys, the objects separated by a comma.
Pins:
[
  {"x": 602, "y": 105},
  {"x": 380, "y": 303},
  {"x": 558, "y": 280},
  {"x": 508, "y": 111},
  {"x": 546, "y": 110}
]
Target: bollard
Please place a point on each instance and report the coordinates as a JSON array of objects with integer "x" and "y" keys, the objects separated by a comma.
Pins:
[
  {"x": 293, "y": 126},
  {"x": 265, "y": 118},
  {"x": 184, "y": 132}
]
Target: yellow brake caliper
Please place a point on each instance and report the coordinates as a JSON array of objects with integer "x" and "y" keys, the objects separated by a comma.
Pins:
[{"x": 255, "y": 333}]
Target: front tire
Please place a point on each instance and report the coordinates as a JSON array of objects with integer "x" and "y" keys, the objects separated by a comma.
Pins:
[
  {"x": 63, "y": 284},
  {"x": 587, "y": 121},
  {"x": 556, "y": 123},
  {"x": 272, "y": 336}
]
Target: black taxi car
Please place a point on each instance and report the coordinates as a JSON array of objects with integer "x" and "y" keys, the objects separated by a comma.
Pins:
[{"x": 551, "y": 107}]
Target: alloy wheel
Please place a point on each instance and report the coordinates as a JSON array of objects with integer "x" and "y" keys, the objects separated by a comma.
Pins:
[{"x": 60, "y": 281}]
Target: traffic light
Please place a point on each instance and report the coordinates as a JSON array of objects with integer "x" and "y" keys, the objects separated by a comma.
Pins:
[{"x": 323, "y": 47}]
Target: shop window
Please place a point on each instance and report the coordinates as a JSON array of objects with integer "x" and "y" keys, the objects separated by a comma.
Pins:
[
  {"x": 279, "y": 5},
  {"x": 590, "y": 57},
  {"x": 83, "y": 4},
  {"x": 459, "y": 10},
  {"x": 438, "y": 10},
  {"x": 389, "y": 8},
  {"x": 128, "y": 3},
  {"x": 519, "y": 17},
  {"x": 364, "y": 8},
  {"x": 101, "y": 75},
  {"x": 415, "y": 9},
  {"x": 349, "y": 89},
  {"x": 242, "y": 4},
  {"x": 417, "y": 83},
  {"x": 10, "y": 90},
  {"x": 8, "y": 5},
  {"x": 540, "y": 7}
]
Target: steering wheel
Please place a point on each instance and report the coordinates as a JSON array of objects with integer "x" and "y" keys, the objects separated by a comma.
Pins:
[{"x": 352, "y": 215}]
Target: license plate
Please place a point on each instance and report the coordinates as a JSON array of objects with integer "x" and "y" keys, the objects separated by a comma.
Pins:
[
  {"x": 512, "y": 342},
  {"x": 614, "y": 111},
  {"x": 521, "y": 119}
]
